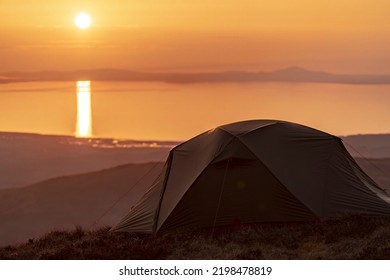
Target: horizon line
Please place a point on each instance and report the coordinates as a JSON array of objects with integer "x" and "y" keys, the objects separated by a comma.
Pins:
[{"x": 294, "y": 74}]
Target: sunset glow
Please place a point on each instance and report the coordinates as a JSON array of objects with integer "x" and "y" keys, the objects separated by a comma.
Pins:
[{"x": 84, "y": 116}]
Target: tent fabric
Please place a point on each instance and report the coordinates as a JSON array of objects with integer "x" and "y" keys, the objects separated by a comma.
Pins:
[{"x": 253, "y": 172}]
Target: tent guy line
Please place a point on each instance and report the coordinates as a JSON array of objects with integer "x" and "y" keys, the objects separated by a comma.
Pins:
[{"x": 127, "y": 192}]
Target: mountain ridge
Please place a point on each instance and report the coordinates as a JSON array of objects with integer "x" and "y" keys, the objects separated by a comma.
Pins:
[{"x": 289, "y": 74}]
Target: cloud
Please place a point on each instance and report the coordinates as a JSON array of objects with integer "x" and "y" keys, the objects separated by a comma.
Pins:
[{"x": 68, "y": 45}]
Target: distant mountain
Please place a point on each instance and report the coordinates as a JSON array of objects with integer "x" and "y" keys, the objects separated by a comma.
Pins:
[
  {"x": 28, "y": 158},
  {"x": 65, "y": 202},
  {"x": 292, "y": 74},
  {"x": 377, "y": 169},
  {"x": 368, "y": 145}
]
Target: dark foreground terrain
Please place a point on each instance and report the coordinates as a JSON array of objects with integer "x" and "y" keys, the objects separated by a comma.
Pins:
[{"x": 348, "y": 238}]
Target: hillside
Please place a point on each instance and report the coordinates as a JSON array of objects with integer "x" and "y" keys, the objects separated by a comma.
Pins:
[
  {"x": 65, "y": 202},
  {"x": 69, "y": 200},
  {"x": 29, "y": 158},
  {"x": 368, "y": 145},
  {"x": 349, "y": 238},
  {"x": 378, "y": 169}
]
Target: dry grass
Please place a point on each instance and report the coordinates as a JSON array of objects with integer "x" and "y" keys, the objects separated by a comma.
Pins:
[{"x": 349, "y": 238}]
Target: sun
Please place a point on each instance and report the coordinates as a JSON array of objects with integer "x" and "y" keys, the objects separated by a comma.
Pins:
[{"x": 82, "y": 20}]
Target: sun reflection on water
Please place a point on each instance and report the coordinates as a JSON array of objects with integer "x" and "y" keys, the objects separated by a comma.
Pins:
[{"x": 84, "y": 112}]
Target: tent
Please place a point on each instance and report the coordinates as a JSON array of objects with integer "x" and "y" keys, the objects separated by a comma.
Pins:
[{"x": 253, "y": 172}]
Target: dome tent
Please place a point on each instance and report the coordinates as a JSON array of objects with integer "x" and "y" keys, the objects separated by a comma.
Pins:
[{"x": 252, "y": 172}]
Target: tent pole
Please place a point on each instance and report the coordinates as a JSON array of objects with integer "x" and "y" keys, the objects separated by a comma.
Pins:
[{"x": 170, "y": 158}]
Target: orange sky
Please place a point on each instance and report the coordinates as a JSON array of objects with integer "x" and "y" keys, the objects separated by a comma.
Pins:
[
  {"x": 340, "y": 36},
  {"x": 333, "y": 35}
]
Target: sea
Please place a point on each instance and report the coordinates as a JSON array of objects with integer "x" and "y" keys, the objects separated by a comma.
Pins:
[{"x": 166, "y": 111}]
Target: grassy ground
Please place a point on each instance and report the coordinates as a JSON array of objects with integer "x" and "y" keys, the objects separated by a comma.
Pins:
[{"x": 348, "y": 238}]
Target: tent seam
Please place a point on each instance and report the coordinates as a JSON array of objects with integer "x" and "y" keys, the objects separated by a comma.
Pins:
[
  {"x": 249, "y": 131},
  {"x": 203, "y": 170},
  {"x": 157, "y": 214},
  {"x": 276, "y": 178}
]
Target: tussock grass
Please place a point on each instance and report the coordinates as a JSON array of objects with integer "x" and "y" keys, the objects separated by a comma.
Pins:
[{"x": 354, "y": 237}]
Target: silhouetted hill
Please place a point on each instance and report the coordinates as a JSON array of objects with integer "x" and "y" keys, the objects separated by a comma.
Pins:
[
  {"x": 65, "y": 202},
  {"x": 378, "y": 169},
  {"x": 28, "y": 158},
  {"x": 291, "y": 74},
  {"x": 368, "y": 145}
]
